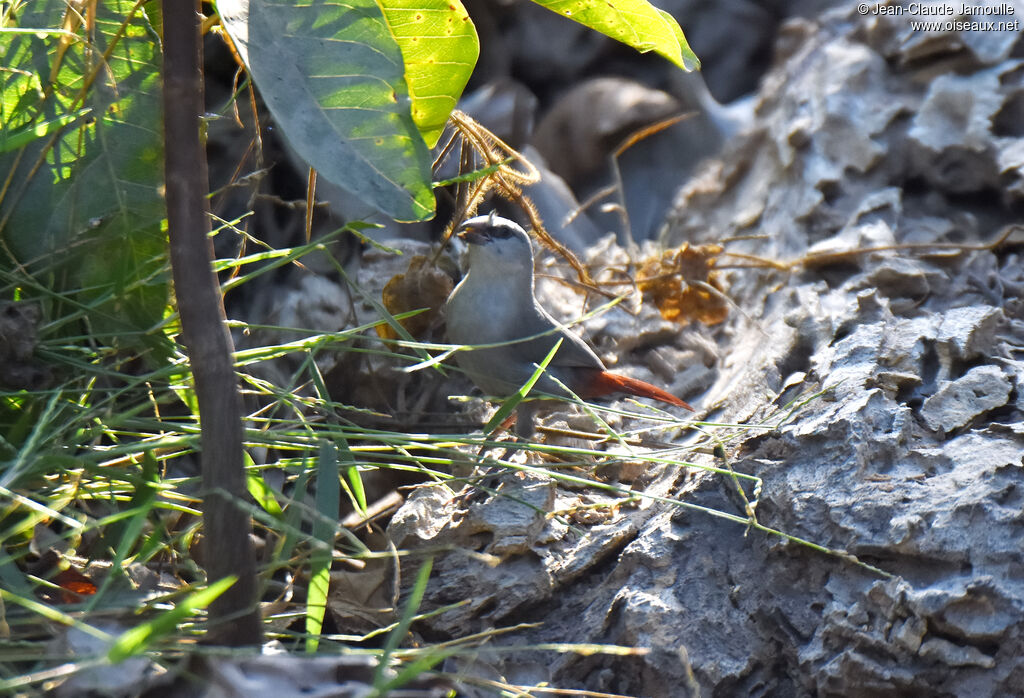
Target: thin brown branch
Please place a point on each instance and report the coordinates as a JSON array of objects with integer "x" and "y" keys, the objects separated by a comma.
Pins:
[{"x": 227, "y": 547}]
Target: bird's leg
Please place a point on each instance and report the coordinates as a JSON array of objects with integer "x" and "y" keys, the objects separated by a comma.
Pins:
[
  {"x": 524, "y": 430},
  {"x": 526, "y": 412}
]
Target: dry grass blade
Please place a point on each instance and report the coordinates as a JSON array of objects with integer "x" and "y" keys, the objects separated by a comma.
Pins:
[
  {"x": 826, "y": 257},
  {"x": 479, "y": 149}
]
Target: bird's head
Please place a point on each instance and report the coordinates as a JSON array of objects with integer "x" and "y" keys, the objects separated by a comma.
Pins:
[{"x": 496, "y": 245}]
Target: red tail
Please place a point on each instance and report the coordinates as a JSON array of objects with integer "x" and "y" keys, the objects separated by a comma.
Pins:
[{"x": 606, "y": 382}]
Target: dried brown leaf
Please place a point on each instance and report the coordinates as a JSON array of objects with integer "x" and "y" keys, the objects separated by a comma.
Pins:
[
  {"x": 684, "y": 285},
  {"x": 423, "y": 285}
]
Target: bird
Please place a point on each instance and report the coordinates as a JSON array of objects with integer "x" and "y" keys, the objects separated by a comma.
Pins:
[{"x": 495, "y": 304}]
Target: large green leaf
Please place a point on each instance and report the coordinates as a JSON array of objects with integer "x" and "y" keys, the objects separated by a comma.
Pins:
[
  {"x": 635, "y": 23},
  {"x": 440, "y": 47},
  {"x": 332, "y": 75},
  {"x": 83, "y": 207}
]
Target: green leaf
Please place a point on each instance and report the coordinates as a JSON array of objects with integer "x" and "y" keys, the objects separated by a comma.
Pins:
[
  {"x": 136, "y": 640},
  {"x": 332, "y": 75},
  {"x": 635, "y": 23},
  {"x": 16, "y": 138},
  {"x": 84, "y": 207},
  {"x": 440, "y": 48},
  {"x": 690, "y": 60}
]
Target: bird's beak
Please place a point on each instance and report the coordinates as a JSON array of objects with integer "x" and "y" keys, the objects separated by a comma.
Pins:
[{"x": 473, "y": 233}]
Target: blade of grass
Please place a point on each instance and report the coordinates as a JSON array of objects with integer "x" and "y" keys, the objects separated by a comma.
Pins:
[
  {"x": 142, "y": 503},
  {"x": 41, "y": 432},
  {"x": 52, "y": 614},
  {"x": 396, "y": 636},
  {"x": 135, "y": 641},
  {"x": 355, "y": 481},
  {"x": 411, "y": 670},
  {"x": 352, "y": 482},
  {"x": 261, "y": 491},
  {"x": 46, "y": 511},
  {"x": 513, "y": 402},
  {"x": 328, "y": 491}
]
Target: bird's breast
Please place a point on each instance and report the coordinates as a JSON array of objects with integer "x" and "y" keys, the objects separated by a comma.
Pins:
[{"x": 481, "y": 314}]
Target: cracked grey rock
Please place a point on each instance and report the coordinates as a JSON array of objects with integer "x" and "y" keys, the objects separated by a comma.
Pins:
[
  {"x": 954, "y": 655},
  {"x": 957, "y": 402},
  {"x": 884, "y": 377}
]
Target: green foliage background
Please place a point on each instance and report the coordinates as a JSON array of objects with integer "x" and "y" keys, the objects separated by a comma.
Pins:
[{"x": 82, "y": 160}]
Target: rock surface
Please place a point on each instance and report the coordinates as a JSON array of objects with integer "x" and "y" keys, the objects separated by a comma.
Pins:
[{"x": 892, "y": 377}]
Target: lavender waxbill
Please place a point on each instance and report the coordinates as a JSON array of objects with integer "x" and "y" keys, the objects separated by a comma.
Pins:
[{"x": 494, "y": 303}]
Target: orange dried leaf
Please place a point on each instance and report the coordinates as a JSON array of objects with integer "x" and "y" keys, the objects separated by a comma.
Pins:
[
  {"x": 423, "y": 285},
  {"x": 684, "y": 285},
  {"x": 74, "y": 585}
]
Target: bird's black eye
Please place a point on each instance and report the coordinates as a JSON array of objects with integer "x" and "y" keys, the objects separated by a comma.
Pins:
[{"x": 502, "y": 232}]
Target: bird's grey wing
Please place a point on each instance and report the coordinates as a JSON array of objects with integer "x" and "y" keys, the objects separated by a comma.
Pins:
[{"x": 574, "y": 352}]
